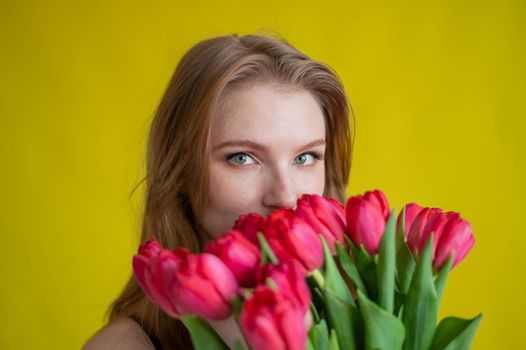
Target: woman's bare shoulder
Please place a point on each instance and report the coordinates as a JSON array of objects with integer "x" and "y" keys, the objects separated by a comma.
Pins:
[{"x": 122, "y": 334}]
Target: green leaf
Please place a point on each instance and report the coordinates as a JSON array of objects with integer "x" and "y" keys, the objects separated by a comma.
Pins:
[
  {"x": 345, "y": 319},
  {"x": 455, "y": 333},
  {"x": 317, "y": 299},
  {"x": 399, "y": 304},
  {"x": 368, "y": 273},
  {"x": 349, "y": 267},
  {"x": 203, "y": 335},
  {"x": 333, "y": 279},
  {"x": 266, "y": 252},
  {"x": 420, "y": 307},
  {"x": 386, "y": 265},
  {"x": 314, "y": 312},
  {"x": 322, "y": 335},
  {"x": 405, "y": 266},
  {"x": 313, "y": 338},
  {"x": 441, "y": 279},
  {"x": 237, "y": 305},
  {"x": 383, "y": 330},
  {"x": 310, "y": 345},
  {"x": 366, "y": 267},
  {"x": 360, "y": 255},
  {"x": 334, "y": 340},
  {"x": 238, "y": 345},
  {"x": 400, "y": 231}
]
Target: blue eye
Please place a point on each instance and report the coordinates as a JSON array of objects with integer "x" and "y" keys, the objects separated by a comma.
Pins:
[
  {"x": 307, "y": 158},
  {"x": 240, "y": 159}
]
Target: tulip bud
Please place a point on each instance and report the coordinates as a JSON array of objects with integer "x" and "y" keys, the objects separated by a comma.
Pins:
[
  {"x": 292, "y": 238},
  {"x": 427, "y": 221},
  {"x": 249, "y": 225},
  {"x": 239, "y": 255},
  {"x": 379, "y": 200},
  {"x": 411, "y": 211},
  {"x": 154, "y": 269},
  {"x": 271, "y": 321},
  {"x": 326, "y": 216},
  {"x": 290, "y": 281},
  {"x": 367, "y": 216},
  {"x": 150, "y": 248},
  {"x": 456, "y": 238},
  {"x": 204, "y": 286},
  {"x": 183, "y": 283},
  {"x": 451, "y": 234}
]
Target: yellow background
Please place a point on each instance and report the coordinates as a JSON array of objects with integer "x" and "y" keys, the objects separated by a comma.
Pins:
[{"x": 438, "y": 88}]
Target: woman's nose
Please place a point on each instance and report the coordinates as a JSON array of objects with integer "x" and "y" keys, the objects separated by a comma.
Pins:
[{"x": 280, "y": 191}]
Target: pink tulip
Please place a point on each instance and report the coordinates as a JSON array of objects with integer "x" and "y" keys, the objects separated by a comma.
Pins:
[
  {"x": 205, "y": 286},
  {"x": 289, "y": 278},
  {"x": 239, "y": 254},
  {"x": 428, "y": 220},
  {"x": 154, "y": 270},
  {"x": 451, "y": 234},
  {"x": 379, "y": 199},
  {"x": 326, "y": 216},
  {"x": 366, "y": 219},
  {"x": 150, "y": 248},
  {"x": 456, "y": 238},
  {"x": 183, "y": 283},
  {"x": 411, "y": 211},
  {"x": 271, "y": 321},
  {"x": 249, "y": 225},
  {"x": 292, "y": 238}
]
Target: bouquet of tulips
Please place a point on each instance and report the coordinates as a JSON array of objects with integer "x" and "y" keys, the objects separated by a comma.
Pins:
[{"x": 320, "y": 276}]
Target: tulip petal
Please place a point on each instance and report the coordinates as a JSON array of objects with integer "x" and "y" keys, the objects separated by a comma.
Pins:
[
  {"x": 238, "y": 254},
  {"x": 365, "y": 223},
  {"x": 457, "y": 237},
  {"x": 411, "y": 211},
  {"x": 378, "y": 199},
  {"x": 463, "y": 252},
  {"x": 249, "y": 225},
  {"x": 306, "y": 212},
  {"x": 332, "y": 214},
  {"x": 416, "y": 236}
]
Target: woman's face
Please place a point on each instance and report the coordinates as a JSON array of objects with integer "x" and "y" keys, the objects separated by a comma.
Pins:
[{"x": 267, "y": 149}]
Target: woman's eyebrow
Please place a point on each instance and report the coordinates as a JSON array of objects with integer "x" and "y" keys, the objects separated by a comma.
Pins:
[{"x": 260, "y": 147}]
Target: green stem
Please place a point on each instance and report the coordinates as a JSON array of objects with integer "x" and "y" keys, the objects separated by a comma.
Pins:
[
  {"x": 266, "y": 250},
  {"x": 318, "y": 278}
]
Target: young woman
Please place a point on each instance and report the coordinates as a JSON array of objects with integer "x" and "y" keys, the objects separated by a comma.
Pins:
[{"x": 247, "y": 124}]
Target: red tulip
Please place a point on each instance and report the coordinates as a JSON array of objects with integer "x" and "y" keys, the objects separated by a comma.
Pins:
[
  {"x": 150, "y": 248},
  {"x": 289, "y": 278},
  {"x": 292, "y": 238},
  {"x": 456, "y": 238},
  {"x": 154, "y": 270},
  {"x": 326, "y": 216},
  {"x": 411, "y": 211},
  {"x": 366, "y": 219},
  {"x": 250, "y": 224},
  {"x": 205, "y": 286},
  {"x": 183, "y": 283},
  {"x": 451, "y": 234},
  {"x": 428, "y": 220},
  {"x": 239, "y": 255},
  {"x": 271, "y": 321}
]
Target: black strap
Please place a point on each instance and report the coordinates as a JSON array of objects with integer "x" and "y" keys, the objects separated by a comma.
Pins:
[{"x": 153, "y": 338}]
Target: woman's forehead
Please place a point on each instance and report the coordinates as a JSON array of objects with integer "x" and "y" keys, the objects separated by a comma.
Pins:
[{"x": 267, "y": 115}]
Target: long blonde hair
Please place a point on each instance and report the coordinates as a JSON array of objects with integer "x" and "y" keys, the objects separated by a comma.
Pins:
[{"x": 177, "y": 170}]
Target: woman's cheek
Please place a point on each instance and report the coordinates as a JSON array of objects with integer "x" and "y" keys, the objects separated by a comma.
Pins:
[
  {"x": 236, "y": 189},
  {"x": 312, "y": 181}
]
